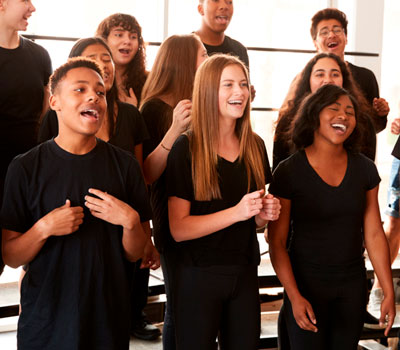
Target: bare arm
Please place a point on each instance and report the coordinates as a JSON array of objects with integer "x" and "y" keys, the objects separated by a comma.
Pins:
[
  {"x": 21, "y": 248},
  {"x": 156, "y": 162},
  {"x": 378, "y": 251},
  {"x": 186, "y": 227},
  {"x": 151, "y": 257},
  {"x": 114, "y": 211},
  {"x": 277, "y": 238}
]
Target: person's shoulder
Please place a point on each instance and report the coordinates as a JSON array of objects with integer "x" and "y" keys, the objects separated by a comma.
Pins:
[
  {"x": 31, "y": 156},
  {"x": 182, "y": 142},
  {"x": 127, "y": 110},
  {"x": 232, "y": 42},
  {"x": 28, "y": 44},
  {"x": 292, "y": 161},
  {"x": 360, "y": 70}
]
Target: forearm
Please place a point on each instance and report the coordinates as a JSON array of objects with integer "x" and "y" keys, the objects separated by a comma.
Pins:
[
  {"x": 134, "y": 238},
  {"x": 283, "y": 268},
  {"x": 156, "y": 162},
  {"x": 20, "y": 249},
  {"x": 378, "y": 252},
  {"x": 197, "y": 226}
]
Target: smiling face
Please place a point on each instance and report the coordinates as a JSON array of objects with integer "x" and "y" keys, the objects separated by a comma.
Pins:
[
  {"x": 80, "y": 102},
  {"x": 337, "y": 122},
  {"x": 16, "y": 13},
  {"x": 233, "y": 94},
  {"x": 103, "y": 58},
  {"x": 123, "y": 44},
  {"x": 216, "y": 14},
  {"x": 330, "y": 37},
  {"x": 325, "y": 71}
]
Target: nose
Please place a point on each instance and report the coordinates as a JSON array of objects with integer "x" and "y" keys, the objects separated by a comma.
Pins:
[
  {"x": 92, "y": 96},
  {"x": 32, "y": 8}
]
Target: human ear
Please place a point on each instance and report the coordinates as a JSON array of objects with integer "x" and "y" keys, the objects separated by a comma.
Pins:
[
  {"x": 200, "y": 9},
  {"x": 53, "y": 103}
]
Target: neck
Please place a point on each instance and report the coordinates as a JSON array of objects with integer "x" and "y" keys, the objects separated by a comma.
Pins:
[
  {"x": 120, "y": 75},
  {"x": 9, "y": 38},
  {"x": 210, "y": 37},
  {"x": 324, "y": 151},
  {"x": 76, "y": 144}
]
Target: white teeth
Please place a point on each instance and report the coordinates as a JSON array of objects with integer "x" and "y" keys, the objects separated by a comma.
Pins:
[
  {"x": 92, "y": 112},
  {"x": 340, "y": 126},
  {"x": 235, "y": 102},
  {"x": 332, "y": 44}
]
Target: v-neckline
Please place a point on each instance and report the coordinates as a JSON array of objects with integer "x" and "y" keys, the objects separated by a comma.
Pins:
[{"x": 321, "y": 179}]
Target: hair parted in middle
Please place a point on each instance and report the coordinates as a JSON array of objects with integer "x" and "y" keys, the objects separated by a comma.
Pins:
[
  {"x": 204, "y": 131},
  {"x": 307, "y": 121},
  {"x": 112, "y": 94}
]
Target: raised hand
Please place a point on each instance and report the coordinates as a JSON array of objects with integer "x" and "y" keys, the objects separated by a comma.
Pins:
[
  {"x": 127, "y": 97},
  {"x": 271, "y": 208},
  {"x": 181, "y": 116},
  {"x": 111, "y": 209},
  {"x": 381, "y": 106},
  {"x": 62, "y": 221}
]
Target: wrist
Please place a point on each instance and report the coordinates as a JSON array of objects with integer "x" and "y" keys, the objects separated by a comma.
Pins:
[{"x": 132, "y": 220}]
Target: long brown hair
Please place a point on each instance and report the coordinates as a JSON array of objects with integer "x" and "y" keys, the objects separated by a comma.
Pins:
[
  {"x": 172, "y": 74},
  {"x": 204, "y": 132}
]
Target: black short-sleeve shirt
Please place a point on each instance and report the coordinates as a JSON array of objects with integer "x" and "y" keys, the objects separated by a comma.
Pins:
[
  {"x": 234, "y": 245},
  {"x": 327, "y": 221},
  {"x": 75, "y": 292}
]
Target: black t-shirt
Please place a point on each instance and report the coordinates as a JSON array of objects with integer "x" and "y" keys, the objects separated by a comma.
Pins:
[
  {"x": 396, "y": 149},
  {"x": 230, "y": 46},
  {"x": 236, "y": 244},
  {"x": 75, "y": 292},
  {"x": 130, "y": 129},
  {"x": 327, "y": 221},
  {"x": 24, "y": 72},
  {"x": 157, "y": 114},
  {"x": 366, "y": 80}
]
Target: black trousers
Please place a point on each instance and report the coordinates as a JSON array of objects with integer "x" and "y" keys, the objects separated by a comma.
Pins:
[
  {"x": 339, "y": 306},
  {"x": 217, "y": 301},
  {"x": 139, "y": 292}
]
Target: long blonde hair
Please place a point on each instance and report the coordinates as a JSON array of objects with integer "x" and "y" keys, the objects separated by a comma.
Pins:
[{"x": 204, "y": 132}]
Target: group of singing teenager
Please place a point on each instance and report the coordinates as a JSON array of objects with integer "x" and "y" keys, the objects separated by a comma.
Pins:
[{"x": 119, "y": 146}]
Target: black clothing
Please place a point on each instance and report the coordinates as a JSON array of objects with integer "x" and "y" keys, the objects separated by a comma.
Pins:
[
  {"x": 232, "y": 47},
  {"x": 130, "y": 129},
  {"x": 158, "y": 116},
  {"x": 234, "y": 245},
  {"x": 156, "y": 113},
  {"x": 216, "y": 298},
  {"x": 75, "y": 292},
  {"x": 24, "y": 72},
  {"x": 366, "y": 81},
  {"x": 326, "y": 246},
  {"x": 220, "y": 268},
  {"x": 396, "y": 149}
]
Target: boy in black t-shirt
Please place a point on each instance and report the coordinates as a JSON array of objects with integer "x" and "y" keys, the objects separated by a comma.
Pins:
[
  {"x": 215, "y": 19},
  {"x": 72, "y": 213}
]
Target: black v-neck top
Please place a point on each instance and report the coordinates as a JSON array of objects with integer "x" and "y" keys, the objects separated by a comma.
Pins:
[{"x": 327, "y": 221}]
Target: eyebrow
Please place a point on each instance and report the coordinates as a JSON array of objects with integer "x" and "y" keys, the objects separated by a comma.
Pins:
[
  {"x": 334, "y": 26},
  {"x": 86, "y": 82},
  {"x": 338, "y": 104},
  {"x": 323, "y": 70}
]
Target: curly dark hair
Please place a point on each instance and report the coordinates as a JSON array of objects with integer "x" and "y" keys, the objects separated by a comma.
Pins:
[
  {"x": 136, "y": 74},
  {"x": 307, "y": 120},
  {"x": 328, "y": 13},
  {"x": 283, "y": 145},
  {"x": 112, "y": 94}
]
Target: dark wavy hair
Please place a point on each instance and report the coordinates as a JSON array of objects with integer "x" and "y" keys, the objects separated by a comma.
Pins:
[
  {"x": 112, "y": 94},
  {"x": 328, "y": 13},
  {"x": 303, "y": 89},
  {"x": 307, "y": 120},
  {"x": 136, "y": 74}
]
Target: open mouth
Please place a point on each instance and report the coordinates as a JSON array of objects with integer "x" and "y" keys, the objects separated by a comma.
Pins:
[
  {"x": 90, "y": 114},
  {"x": 339, "y": 127},
  {"x": 125, "y": 51},
  {"x": 235, "y": 102},
  {"x": 222, "y": 19},
  {"x": 332, "y": 44}
]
